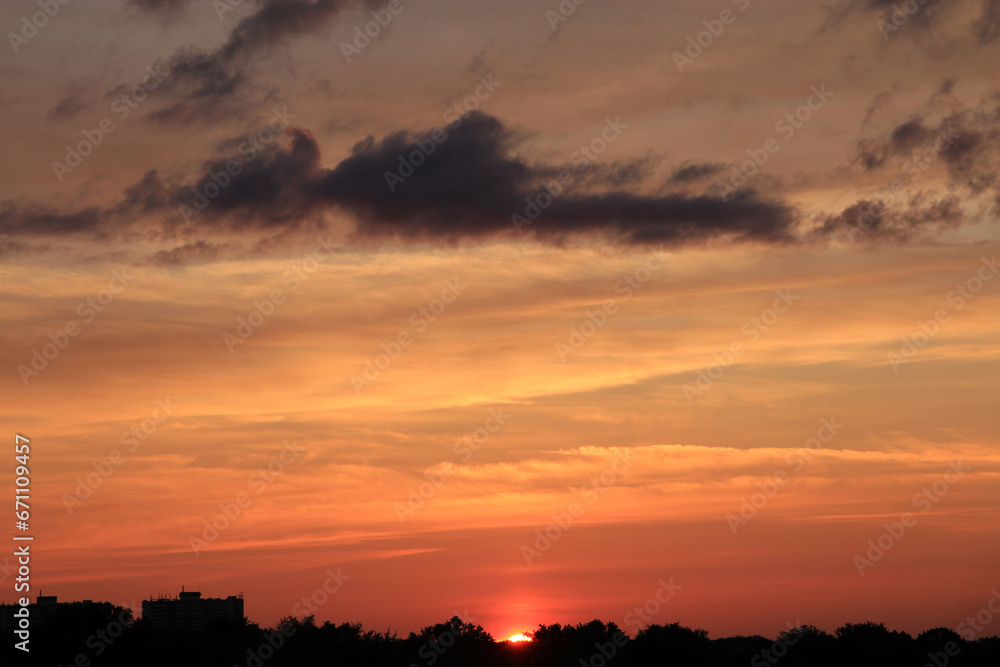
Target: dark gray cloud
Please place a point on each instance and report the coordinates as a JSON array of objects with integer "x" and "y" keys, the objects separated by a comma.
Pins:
[
  {"x": 159, "y": 6},
  {"x": 29, "y": 219},
  {"x": 927, "y": 11},
  {"x": 197, "y": 252},
  {"x": 694, "y": 171},
  {"x": 204, "y": 83},
  {"x": 966, "y": 141},
  {"x": 32, "y": 219},
  {"x": 987, "y": 28},
  {"x": 68, "y": 107},
  {"x": 901, "y": 142},
  {"x": 974, "y": 159},
  {"x": 469, "y": 186},
  {"x": 876, "y": 220},
  {"x": 891, "y": 18}
]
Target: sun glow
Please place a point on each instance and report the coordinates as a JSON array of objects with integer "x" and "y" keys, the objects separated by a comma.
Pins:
[{"x": 519, "y": 638}]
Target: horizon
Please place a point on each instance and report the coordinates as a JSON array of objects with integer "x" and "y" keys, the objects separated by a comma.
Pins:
[
  {"x": 969, "y": 629},
  {"x": 524, "y": 311}
]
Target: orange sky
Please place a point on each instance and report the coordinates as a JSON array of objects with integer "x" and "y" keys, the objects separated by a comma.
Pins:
[{"x": 538, "y": 376}]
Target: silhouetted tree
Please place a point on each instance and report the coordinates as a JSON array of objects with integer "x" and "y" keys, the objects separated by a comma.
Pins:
[
  {"x": 871, "y": 644},
  {"x": 684, "y": 645}
]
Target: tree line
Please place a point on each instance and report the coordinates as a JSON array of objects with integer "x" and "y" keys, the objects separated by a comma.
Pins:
[{"x": 105, "y": 635}]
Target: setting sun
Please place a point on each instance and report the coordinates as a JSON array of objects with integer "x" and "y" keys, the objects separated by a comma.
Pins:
[{"x": 519, "y": 638}]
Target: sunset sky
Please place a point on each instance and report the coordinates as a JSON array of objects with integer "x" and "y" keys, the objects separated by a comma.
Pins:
[{"x": 713, "y": 285}]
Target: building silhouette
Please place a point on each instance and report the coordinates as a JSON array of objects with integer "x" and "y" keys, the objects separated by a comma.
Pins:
[
  {"x": 189, "y": 612},
  {"x": 39, "y": 612}
]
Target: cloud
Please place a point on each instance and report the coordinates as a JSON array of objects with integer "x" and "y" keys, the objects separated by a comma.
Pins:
[
  {"x": 902, "y": 140},
  {"x": 894, "y": 21},
  {"x": 923, "y": 215},
  {"x": 467, "y": 186},
  {"x": 967, "y": 141},
  {"x": 987, "y": 28},
  {"x": 471, "y": 185},
  {"x": 205, "y": 82},
  {"x": 28, "y": 219},
  {"x": 880, "y": 101},
  {"x": 694, "y": 171},
  {"x": 473, "y": 182},
  {"x": 927, "y": 11},
  {"x": 159, "y": 6},
  {"x": 198, "y": 252},
  {"x": 974, "y": 159},
  {"x": 36, "y": 220},
  {"x": 69, "y": 107}
]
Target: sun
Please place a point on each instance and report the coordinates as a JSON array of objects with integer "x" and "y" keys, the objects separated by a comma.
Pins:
[{"x": 519, "y": 638}]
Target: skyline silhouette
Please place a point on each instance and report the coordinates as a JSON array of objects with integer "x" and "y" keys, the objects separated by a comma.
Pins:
[{"x": 82, "y": 633}]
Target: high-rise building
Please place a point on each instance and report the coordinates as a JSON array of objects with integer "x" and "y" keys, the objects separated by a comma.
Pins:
[{"x": 189, "y": 612}]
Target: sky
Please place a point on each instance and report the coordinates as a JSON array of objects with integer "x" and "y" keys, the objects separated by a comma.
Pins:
[{"x": 523, "y": 311}]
